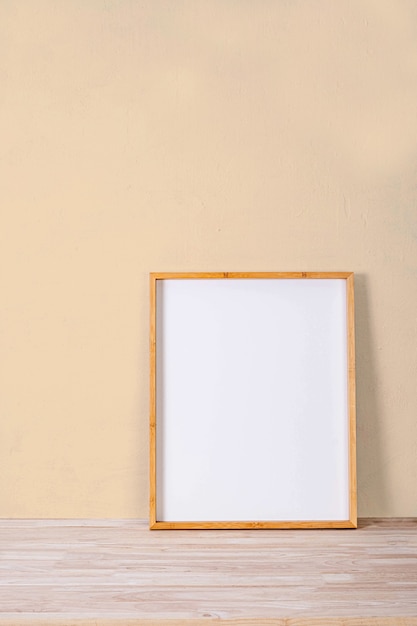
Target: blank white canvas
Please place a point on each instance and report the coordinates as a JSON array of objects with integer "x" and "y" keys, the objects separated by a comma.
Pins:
[{"x": 252, "y": 407}]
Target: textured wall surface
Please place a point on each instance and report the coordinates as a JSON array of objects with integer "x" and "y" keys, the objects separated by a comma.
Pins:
[{"x": 160, "y": 135}]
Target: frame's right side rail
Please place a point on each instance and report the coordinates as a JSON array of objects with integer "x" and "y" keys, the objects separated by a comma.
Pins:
[{"x": 351, "y": 397}]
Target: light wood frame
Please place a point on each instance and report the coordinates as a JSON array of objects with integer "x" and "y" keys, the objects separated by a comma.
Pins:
[{"x": 351, "y": 522}]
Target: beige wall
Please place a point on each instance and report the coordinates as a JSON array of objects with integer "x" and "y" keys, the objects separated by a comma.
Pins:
[{"x": 155, "y": 135}]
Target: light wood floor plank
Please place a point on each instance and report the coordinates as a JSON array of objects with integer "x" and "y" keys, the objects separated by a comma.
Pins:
[
  {"x": 113, "y": 572},
  {"x": 325, "y": 621}
]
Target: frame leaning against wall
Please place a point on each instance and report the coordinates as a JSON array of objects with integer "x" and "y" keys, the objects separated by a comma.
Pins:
[{"x": 252, "y": 400}]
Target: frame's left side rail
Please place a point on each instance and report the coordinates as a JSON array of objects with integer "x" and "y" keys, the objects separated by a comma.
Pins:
[{"x": 152, "y": 422}]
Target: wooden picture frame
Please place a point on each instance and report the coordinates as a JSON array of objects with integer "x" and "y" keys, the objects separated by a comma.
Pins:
[{"x": 252, "y": 400}]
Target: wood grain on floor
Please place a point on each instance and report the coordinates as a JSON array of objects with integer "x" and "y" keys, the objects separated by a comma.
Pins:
[{"x": 113, "y": 572}]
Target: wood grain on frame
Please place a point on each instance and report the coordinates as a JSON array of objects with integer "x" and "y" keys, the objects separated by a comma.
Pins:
[
  {"x": 218, "y": 275},
  {"x": 301, "y": 524},
  {"x": 152, "y": 425},
  {"x": 351, "y": 398}
]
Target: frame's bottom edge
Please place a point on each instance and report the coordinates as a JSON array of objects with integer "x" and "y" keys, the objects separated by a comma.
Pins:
[{"x": 234, "y": 525}]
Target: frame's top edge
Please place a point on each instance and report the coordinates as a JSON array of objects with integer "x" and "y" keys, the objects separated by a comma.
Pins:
[{"x": 185, "y": 275}]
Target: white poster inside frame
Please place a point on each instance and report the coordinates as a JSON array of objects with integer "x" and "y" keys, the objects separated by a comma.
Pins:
[{"x": 252, "y": 400}]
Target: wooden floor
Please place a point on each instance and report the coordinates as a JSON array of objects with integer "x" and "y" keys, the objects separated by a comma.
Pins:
[{"x": 115, "y": 572}]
